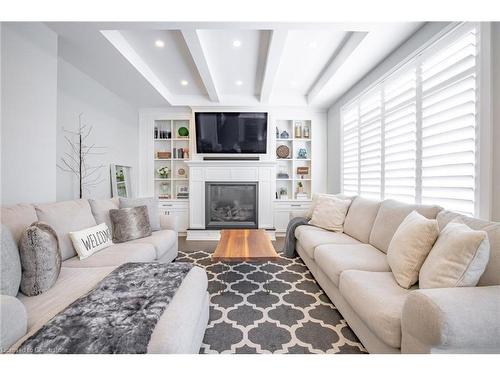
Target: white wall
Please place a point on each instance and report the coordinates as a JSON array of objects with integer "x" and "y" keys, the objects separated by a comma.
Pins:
[
  {"x": 29, "y": 102},
  {"x": 495, "y": 74},
  {"x": 416, "y": 41},
  {"x": 114, "y": 122}
]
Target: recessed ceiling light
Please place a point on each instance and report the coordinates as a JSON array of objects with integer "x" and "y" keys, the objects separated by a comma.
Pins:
[
  {"x": 160, "y": 43},
  {"x": 236, "y": 43},
  {"x": 184, "y": 82},
  {"x": 238, "y": 83},
  {"x": 313, "y": 44}
]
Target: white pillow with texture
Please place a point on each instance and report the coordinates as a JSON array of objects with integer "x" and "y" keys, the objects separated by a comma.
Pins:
[
  {"x": 458, "y": 258},
  {"x": 410, "y": 245},
  {"x": 89, "y": 241},
  {"x": 329, "y": 213},
  {"x": 315, "y": 197}
]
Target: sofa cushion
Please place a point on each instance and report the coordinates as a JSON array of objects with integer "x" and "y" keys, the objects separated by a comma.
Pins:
[
  {"x": 315, "y": 197},
  {"x": 89, "y": 241},
  {"x": 310, "y": 239},
  {"x": 17, "y": 218},
  {"x": 115, "y": 255},
  {"x": 162, "y": 241},
  {"x": 360, "y": 217},
  {"x": 178, "y": 326},
  {"x": 491, "y": 275},
  {"x": 409, "y": 247},
  {"x": 40, "y": 259},
  {"x": 378, "y": 300},
  {"x": 457, "y": 259},
  {"x": 334, "y": 259},
  {"x": 14, "y": 321},
  {"x": 65, "y": 217},
  {"x": 10, "y": 262},
  {"x": 71, "y": 284},
  {"x": 100, "y": 209},
  {"x": 301, "y": 229},
  {"x": 390, "y": 215},
  {"x": 130, "y": 223},
  {"x": 329, "y": 213},
  {"x": 152, "y": 205}
]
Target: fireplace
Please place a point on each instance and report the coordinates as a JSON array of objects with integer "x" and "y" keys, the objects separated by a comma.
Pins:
[{"x": 231, "y": 205}]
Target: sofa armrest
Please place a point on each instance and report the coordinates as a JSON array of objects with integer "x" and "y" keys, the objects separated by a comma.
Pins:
[
  {"x": 168, "y": 222},
  {"x": 13, "y": 321},
  {"x": 452, "y": 320}
]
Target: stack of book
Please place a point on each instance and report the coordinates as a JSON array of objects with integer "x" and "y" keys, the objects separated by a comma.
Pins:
[
  {"x": 301, "y": 196},
  {"x": 182, "y": 195}
]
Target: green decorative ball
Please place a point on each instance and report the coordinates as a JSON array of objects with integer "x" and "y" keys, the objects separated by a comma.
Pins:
[{"x": 183, "y": 132}]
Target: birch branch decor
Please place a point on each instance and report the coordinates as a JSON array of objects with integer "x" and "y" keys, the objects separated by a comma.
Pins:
[{"x": 75, "y": 160}]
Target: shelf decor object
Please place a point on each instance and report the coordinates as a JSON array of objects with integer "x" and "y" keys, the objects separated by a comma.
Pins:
[
  {"x": 284, "y": 135},
  {"x": 163, "y": 172},
  {"x": 302, "y": 154},
  {"x": 282, "y": 152},
  {"x": 183, "y": 132},
  {"x": 163, "y": 155},
  {"x": 302, "y": 171},
  {"x": 298, "y": 129}
]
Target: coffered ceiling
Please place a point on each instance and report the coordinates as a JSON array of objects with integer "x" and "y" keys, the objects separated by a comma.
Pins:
[{"x": 243, "y": 64}]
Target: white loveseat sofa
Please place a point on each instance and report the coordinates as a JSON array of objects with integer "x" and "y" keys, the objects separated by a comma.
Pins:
[
  {"x": 180, "y": 328},
  {"x": 352, "y": 268}
]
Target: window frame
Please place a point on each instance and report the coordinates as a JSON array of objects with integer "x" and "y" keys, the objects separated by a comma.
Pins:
[{"x": 483, "y": 147}]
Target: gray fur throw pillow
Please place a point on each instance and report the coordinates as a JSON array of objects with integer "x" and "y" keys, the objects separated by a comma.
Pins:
[
  {"x": 130, "y": 223},
  {"x": 40, "y": 258}
]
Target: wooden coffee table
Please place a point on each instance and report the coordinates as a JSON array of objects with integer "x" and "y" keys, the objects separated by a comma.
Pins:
[{"x": 245, "y": 245}]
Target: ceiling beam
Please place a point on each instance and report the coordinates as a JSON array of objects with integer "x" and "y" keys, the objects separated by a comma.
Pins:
[
  {"x": 123, "y": 46},
  {"x": 347, "y": 47},
  {"x": 196, "y": 49},
  {"x": 274, "y": 54}
]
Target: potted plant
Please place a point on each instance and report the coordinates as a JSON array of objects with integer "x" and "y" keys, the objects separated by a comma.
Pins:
[
  {"x": 300, "y": 187},
  {"x": 163, "y": 172}
]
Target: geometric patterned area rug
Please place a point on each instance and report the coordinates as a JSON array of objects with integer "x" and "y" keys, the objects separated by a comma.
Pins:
[{"x": 295, "y": 317}]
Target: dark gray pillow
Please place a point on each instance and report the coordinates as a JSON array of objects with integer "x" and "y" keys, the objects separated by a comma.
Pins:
[
  {"x": 10, "y": 273},
  {"x": 40, "y": 258},
  {"x": 130, "y": 223},
  {"x": 150, "y": 203}
]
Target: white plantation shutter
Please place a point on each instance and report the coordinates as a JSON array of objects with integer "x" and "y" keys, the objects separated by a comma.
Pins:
[
  {"x": 449, "y": 126},
  {"x": 370, "y": 146},
  {"x": 350, "y": 151},
  {"x": 400, "y": 137},
  {"x": 413, "y": 137}
]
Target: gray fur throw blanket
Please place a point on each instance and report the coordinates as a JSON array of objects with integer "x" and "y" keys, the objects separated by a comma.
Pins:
[{"x": 117, "y": 316}]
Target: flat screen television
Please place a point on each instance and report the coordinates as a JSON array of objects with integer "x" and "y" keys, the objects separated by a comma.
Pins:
[{"x": 231, "y": 132}]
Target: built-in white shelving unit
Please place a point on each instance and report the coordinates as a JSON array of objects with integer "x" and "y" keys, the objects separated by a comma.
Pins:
[
  {"x": 287, "y": 177},
  {"x": 167, "y": 140}
]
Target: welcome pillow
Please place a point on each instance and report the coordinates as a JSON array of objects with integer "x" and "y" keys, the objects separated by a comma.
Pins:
[
  {"x": 91, "y": 240},
  {"x": 329, "y": 213},
  {"x": 409, "y": 247},
  {"x": 458, "y": 258}
]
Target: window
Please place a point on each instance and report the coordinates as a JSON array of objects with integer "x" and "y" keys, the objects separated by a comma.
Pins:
[{"x": 413, "y": 136}]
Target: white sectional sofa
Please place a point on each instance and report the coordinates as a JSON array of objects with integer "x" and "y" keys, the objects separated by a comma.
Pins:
[
  {"x": 352, "y": 268},
  {"x": 182, "y": 325}
]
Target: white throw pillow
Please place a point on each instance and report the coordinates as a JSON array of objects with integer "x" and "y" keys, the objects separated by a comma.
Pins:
[
  {"x": 409, "y": 247},
  {"x": 458, "y": 258},
  {"x": 315, "y": 197},
  {"x": 88, "y": 241},
  {"x": 329, "y": 213}
]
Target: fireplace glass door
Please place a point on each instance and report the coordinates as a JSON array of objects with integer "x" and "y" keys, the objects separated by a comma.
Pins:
[{"x": 231, "y": 205}]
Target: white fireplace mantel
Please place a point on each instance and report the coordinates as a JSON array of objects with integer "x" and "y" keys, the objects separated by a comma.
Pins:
[{"x": 201, "y": 171}]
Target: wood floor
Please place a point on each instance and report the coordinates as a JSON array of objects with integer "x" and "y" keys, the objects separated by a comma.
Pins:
[{"x": 211, "y": 245}]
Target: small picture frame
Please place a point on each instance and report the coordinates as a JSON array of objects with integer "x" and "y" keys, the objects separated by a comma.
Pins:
[{"x": 182, "y": 189}]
